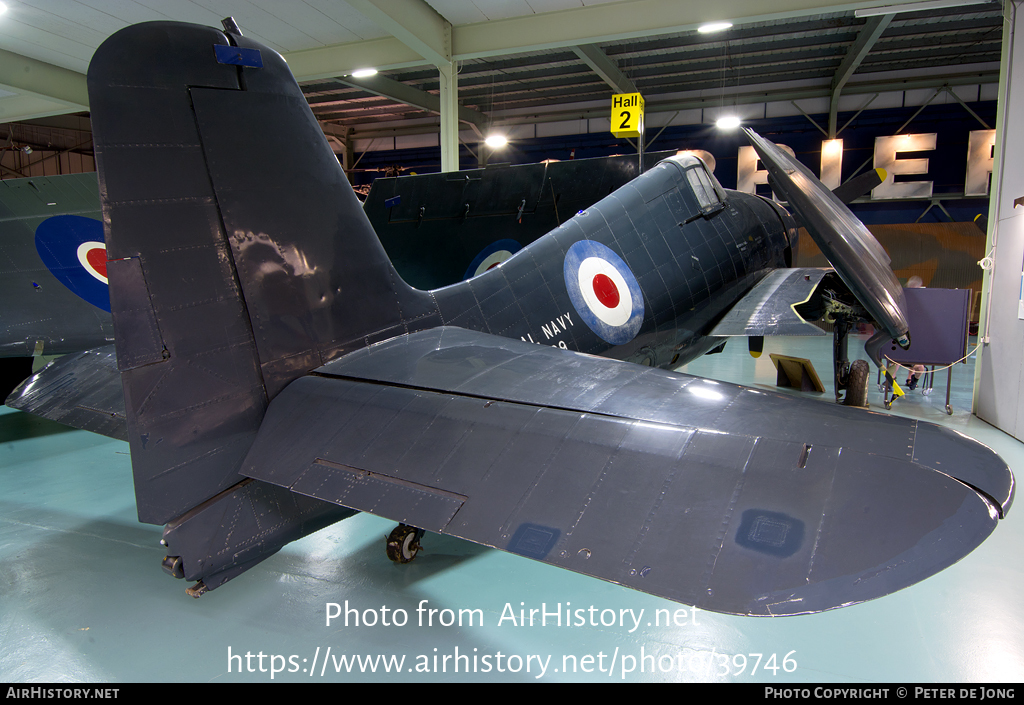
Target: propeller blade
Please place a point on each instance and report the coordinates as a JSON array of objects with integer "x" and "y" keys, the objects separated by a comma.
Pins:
[
  {"x": 851, "y": 249},
  {"x": 859, "y": 186}
]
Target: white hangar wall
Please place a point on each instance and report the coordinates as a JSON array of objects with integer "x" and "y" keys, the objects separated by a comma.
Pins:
[{"x": 999, "y": 377}]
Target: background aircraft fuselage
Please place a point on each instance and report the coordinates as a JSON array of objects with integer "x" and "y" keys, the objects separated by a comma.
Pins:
[{"x": 54, "y": 298}]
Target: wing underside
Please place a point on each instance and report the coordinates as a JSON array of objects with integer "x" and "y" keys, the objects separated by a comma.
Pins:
[
  {"x": 735, "y": 500},
  {"x": 770, "y": 307},
  {"x": 82, "y": 390}
]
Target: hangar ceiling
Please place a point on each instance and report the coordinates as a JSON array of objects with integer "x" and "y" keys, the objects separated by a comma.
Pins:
[
  {"x": 799, "y": 56},
  {"x": 518, "y": 60}
]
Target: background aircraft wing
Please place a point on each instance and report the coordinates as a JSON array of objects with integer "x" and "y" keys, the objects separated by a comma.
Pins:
[
  {"x": 731, "y": 499},
  {"x": 82, "y": 390}
]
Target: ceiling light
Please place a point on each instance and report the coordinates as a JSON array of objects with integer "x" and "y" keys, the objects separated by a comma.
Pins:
[
  {"x": 714, "y": 27},
  {"x": 364, "y": 73},
  {"x": 3, "y": 7},
  {"x": 729, "y": 122},
  {"x": 496, "y": 141},
  {"x": 915, "y": 7}
]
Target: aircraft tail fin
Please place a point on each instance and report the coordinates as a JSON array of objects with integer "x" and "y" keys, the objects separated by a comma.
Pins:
[{"x": 239, "y": 257}]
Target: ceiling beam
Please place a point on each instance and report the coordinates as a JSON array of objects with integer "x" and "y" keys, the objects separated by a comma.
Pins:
[
  {"x": 40, "y": 88},
  {"x": 421, "y": 28},
  {"x": 413, "y": 22},
  {"x": 859, "y": 50},
  {"x": 756, "y": 94},
  {"x": 341, "y": 59},
  {"x": 604, "y": 67},
  {"x": 402, "y": 93}
]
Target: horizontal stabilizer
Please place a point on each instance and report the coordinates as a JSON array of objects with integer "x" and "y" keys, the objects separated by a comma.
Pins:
[
  {"x": 82, "y": 390},
  {"x": 768, "y": 308},
  {"x": 614, "y": 471}
]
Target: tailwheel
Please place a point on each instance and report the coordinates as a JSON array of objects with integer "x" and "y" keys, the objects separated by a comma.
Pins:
[{"x": 404, "y": 543}]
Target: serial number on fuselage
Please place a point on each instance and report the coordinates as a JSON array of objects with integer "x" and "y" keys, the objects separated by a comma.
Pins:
[{"x": 551, "y": 330}]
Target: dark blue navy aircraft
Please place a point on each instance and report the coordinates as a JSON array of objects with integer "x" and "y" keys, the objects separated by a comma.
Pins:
[{"x": 278, "y": 375}]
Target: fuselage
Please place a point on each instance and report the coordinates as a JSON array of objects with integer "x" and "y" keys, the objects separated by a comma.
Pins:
[
  {"x": 642, "y": 275},
  {"x": 691, "y": 247}
]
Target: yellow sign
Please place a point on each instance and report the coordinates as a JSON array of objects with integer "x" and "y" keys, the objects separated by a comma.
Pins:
[{"x": 627, "y": 115}]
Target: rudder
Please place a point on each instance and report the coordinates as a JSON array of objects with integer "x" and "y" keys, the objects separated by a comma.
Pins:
[{"x": 239, "y": 257}]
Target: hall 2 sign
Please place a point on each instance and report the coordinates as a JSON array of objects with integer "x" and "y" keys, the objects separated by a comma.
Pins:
[
  {"x": 887, "y": 156},
  {"x": 627, "y": 115}
]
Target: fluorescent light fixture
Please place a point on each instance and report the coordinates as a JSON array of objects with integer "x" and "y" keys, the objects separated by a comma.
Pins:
[
  {"x": 728, "y": 122},
  {"x": 364, "y": 73},
  {"x": 714, "y": 27},
  {"x": 496, "y": 141},
  {"x": 915, "y": 7}
]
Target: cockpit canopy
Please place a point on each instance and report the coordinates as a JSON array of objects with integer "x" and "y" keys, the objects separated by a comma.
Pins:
[{"x": 709, "y": 193}]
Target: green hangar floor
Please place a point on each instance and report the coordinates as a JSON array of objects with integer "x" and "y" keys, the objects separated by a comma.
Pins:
[{"x": 83, "y": 597}]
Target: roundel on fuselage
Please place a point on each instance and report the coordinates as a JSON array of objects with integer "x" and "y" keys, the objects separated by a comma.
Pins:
[
  {"x": 604, "y": 291},
  {"x": 72, "y": 248},
  {"x": 491, "y": 256}
]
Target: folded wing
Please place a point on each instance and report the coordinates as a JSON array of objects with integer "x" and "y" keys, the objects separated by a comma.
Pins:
[{"x": 851, "y": 249}]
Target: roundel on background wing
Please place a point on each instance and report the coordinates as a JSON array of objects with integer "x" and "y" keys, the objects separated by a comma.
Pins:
[
  {"x": 491, "y": 256},
  {"x": 604, "y": 291},
  {"x": 72, "y": 248}
]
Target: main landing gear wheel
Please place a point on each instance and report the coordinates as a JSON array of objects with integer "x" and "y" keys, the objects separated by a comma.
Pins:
[
  {"x": 857, "y": 384},
  {"x": 404, "y": 543}
]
